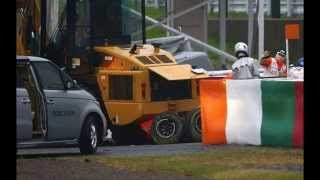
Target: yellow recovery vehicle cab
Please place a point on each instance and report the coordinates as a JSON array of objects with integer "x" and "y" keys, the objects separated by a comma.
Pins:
[
  {"x": 143, "y": 91},
  {"x": 144, "y": 83}
]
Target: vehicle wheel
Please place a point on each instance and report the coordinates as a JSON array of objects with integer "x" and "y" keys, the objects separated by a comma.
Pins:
[
  {"x": 89, "y": 137},
  {"x": 194, "y": 124},
  {"x": 167, "y": 128}
]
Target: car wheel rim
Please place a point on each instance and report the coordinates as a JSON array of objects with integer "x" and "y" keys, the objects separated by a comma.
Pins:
[
  {"x": 93, "y": 136},
  {"x": 165, "y": 128}
]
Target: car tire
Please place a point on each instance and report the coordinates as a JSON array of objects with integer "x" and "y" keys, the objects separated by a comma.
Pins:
[
  {"x": 193, "y": 125},
  {"x": 88, "y": 143},
  {"x": 167, "y": 128}
]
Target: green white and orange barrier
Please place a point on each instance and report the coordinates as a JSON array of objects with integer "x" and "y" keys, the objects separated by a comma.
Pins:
[{"x": 255, "y": 112}]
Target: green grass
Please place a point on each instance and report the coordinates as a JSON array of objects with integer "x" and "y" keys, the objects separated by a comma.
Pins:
[
  {"x": 155, "y": 33},
  {"x": 214, "y": 41},
  {"x": 155, "y": 12},
  {"x": 220, "y": 163}
]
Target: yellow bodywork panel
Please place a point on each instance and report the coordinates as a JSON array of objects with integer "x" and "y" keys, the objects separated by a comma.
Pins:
[
  {"x": 139, "y": 77},
  {"x": 177, "y": 72},
  {"x": 124, "y": 113},
  {"x": 118, "y": 61},
  {"x": 119, "y": 54},
  {"x": 164, "y": 106},
  {"x": 122, "y": 56}
]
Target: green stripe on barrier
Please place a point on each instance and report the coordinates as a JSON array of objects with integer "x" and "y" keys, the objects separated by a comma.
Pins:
[{"x": 278, "y": 112}]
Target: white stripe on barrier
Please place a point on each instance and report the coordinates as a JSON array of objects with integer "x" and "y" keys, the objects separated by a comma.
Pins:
[{"x": 244, "y": 112}]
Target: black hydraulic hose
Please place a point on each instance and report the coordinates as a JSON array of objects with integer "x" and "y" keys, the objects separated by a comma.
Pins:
[{"x": 143, "y": 12}]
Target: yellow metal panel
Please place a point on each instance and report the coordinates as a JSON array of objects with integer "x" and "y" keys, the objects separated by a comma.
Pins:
[
  {"x": 116, "y": 72},
  {"x": 103, "y": 83},
  {"x": 180, "y": 106},
  {"x": 195, "y": 88},
  {"x": 177, "y": 72},
  {"x": 139, "y": 77},
  {"x": 119, "y": 53},
  {"x": 124, "y": 55},
  {"x": 124, "y": 113}
]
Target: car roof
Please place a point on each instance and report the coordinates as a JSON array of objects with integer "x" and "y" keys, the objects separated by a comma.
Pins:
[{"x": 32, "y": 58}]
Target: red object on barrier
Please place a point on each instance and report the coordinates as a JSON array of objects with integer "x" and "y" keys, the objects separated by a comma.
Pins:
[
  {"x": 213, "y": 95},
  {"x": 298, "y": 132}
]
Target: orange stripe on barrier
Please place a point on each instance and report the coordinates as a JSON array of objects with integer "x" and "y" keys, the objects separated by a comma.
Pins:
[{"x": 213, "y": 103}]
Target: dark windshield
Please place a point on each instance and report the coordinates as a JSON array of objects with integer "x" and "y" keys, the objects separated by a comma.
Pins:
[{"x": 97, "y": 20}]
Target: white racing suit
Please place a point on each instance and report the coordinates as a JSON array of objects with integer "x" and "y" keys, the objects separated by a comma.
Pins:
[
  {"x": 245, "y": 68},
  {"x": 296, "y": 73}
]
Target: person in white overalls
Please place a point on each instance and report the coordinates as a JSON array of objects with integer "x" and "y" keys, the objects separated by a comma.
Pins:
[
  {"x": 297, "y": 71},
  {"x": 245, "y": 67}
]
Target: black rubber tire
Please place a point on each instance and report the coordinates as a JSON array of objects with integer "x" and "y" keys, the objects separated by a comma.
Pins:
[
  {"x": 193, "y": 125},
  {"x": 175, "y": 128},
  {"x": 86, "y": 142}
]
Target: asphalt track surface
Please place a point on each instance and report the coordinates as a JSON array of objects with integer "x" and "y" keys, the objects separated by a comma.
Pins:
[{"x": 131, "y": 150}]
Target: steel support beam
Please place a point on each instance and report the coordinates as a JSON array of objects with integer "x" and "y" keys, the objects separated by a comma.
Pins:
[
  {"x": 222, "y": 31},
  {"x": 289, "y": 7},
  {"x": 261, "y": 27},
  {"x": 143, "y": 24},
  {"x": 250, "y": 25}
]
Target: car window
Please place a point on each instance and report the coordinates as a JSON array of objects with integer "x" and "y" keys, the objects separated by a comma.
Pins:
[{"x": 49, "y": 76}]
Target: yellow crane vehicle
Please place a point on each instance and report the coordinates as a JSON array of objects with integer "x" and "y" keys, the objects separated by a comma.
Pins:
[{"x": 144, "y": 93}]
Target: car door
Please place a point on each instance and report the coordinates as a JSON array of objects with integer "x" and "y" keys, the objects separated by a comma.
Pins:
[
  {"x": 63, "y": 110},
  {"x": 23, "y": 112}
]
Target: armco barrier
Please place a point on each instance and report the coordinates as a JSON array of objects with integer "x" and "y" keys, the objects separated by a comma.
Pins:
[{"x": 255, "y": 112}]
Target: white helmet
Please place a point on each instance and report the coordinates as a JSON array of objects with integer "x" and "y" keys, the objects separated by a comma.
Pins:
[{"x": 241, "y": 47}]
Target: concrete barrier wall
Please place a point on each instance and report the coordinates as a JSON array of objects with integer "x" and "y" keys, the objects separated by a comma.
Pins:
[{"x": 255, "y": 112}]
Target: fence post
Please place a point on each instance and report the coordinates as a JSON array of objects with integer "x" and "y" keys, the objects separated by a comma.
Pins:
[
  {"x": 250, "y": 25},
  {"x": 261, "y": 27},
  {"x": 222, "y": 39},
  {"x": 289, "y": 8}
]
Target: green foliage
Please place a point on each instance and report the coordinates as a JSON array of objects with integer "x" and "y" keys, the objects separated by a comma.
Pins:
[
  {"x": 219, "y": 163},
  {"x": 155, "y": 33},
  {"x": 155, "y": 12}
]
